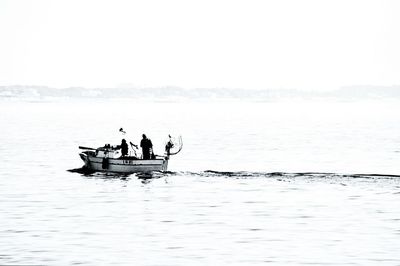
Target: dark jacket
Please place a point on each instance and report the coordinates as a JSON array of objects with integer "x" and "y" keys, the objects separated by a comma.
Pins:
[
  {"x": 124, "y": 148},
  {"x": 146, "y": 144}
]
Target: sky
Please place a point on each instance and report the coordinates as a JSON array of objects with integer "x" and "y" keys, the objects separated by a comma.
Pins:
[{"x": 249, "y": 44}]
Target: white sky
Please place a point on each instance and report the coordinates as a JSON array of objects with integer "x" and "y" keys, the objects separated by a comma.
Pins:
[{"x": 238, "y": 44}]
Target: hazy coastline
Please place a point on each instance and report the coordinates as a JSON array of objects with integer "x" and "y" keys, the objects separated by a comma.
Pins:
[{"x": 169, "y": 93}]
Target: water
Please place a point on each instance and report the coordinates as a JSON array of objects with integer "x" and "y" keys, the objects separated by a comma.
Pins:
[{"x": 256, "y": 183}]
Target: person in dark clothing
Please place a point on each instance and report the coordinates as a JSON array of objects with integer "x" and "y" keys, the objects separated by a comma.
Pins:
[
  {"x": 124, "y": 148},
  {"x": 169, "y": 146},
  {"x": 147, "y": 146}
]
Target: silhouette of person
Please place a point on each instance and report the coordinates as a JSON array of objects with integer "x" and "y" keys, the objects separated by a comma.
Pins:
[
  {"x": 146, "y": 145},
  {"x": 169, "y": 145},
  {"x": 124, "y": 148}
]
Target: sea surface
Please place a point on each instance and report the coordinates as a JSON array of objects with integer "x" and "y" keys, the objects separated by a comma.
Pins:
[{"x": 277, "y": 183}]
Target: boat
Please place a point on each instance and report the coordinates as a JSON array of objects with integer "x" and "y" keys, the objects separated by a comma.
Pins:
[{"x": 109, "y": 158}]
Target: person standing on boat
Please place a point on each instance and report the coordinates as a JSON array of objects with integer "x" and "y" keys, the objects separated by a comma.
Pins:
[
  {"x": 124, "y": 148},
  {"x": 147, "y": 146}
]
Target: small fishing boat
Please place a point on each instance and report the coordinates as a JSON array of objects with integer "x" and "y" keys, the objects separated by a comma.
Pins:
[{"x": 109, "y": 158}]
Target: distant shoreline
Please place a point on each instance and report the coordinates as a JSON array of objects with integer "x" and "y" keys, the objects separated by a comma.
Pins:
[{"x": 176, "y": 94}]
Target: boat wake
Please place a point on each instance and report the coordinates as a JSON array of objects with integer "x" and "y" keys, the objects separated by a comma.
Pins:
[
  {"x": 244, "y": 174},
  {"x": 238, "y": 174}
]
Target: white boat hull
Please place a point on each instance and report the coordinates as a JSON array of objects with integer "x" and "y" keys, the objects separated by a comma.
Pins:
[{"x": 123, "y": 165}]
